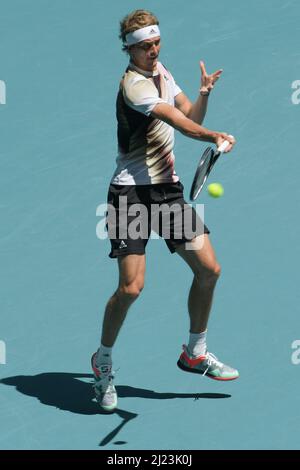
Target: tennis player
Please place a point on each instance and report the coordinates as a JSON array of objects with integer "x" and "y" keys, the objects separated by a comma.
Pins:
[{"x": 150, "y": 105}]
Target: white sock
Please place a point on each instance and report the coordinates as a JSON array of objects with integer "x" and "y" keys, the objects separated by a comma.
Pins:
[
  {"x": 103, "y": 355},
  {"x": 197, "y": 344}
]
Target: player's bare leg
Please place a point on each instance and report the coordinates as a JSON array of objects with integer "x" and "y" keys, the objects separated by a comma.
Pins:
[
  {"x": 195, "y": 357},
  {"x": 206, "y": 273},
  {"x": 131, "y": 282}
]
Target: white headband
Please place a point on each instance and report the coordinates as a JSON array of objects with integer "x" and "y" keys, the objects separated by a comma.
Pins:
[{"x": 141, "y": 34}]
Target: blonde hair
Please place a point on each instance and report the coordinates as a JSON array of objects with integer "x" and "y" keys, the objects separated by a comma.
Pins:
[{"x": 135, "y": 20}]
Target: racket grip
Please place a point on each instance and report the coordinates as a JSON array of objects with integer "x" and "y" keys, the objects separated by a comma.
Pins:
[{"x": 223, "y": 146}]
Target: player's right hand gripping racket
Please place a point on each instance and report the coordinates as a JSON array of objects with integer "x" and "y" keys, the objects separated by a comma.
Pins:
[{"x": 205, "y": 165}]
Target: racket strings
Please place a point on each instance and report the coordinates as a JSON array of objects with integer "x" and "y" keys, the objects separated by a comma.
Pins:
[{"x": 203, "y": 170}]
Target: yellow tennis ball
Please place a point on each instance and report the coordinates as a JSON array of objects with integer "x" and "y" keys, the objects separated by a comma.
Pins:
[{"x": 215, "y": 190}]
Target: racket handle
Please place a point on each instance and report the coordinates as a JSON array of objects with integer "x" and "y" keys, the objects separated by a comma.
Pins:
[{"x": 223, "y": 146}]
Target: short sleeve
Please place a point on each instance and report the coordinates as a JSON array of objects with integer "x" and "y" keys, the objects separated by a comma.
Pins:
[
  {"x": 176, "y": 88},
  {"x": 142, "y": 96}
]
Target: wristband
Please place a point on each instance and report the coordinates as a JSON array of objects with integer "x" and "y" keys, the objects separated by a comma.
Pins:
[{"x": 204, "y": 93}]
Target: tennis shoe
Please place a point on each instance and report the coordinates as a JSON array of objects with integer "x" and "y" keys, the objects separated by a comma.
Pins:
[
  {"x": 105, "y": 392},
  {"x": 207, "y": 364}
]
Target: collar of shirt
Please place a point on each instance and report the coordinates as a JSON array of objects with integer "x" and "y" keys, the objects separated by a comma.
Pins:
[{"x": 143, "y": 72}]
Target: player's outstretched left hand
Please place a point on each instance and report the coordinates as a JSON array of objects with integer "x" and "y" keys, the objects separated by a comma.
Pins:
[{"x": 208, "y": 81}]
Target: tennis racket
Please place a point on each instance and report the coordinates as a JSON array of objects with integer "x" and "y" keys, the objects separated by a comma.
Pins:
[{"x": 205, "y": 165}]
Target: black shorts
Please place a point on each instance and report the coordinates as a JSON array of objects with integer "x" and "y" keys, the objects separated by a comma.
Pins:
[{"x": 135, "y": 210}]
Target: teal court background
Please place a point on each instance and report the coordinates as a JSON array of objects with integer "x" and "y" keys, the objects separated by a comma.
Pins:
[{"x": 61, "y": 61}]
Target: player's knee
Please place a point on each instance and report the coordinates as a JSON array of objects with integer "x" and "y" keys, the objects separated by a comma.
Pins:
[
  {"x": 216, "y": 270},
  {"x": 131, "y": 292},
  {"x": 209, "y": 274},
  {"x": 213, "y": 273}
]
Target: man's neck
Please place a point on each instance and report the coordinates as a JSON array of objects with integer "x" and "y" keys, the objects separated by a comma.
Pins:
[{"x": 146, "y": 73}]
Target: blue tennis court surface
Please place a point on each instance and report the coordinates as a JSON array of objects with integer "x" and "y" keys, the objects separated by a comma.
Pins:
[{"x": 61, "y": 62}]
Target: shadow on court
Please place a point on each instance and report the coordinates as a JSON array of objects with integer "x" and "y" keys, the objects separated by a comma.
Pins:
[{"x": 66, "y": 391}]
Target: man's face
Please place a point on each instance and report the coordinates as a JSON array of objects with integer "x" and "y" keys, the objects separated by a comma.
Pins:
[{"x": 145, "y": 53}]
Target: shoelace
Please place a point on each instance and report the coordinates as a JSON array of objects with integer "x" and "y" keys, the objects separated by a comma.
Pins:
[
  {"x": 212, "y": 360},
  {"x": 105, "y": 384},
  {"x": 107, "y": 388}
]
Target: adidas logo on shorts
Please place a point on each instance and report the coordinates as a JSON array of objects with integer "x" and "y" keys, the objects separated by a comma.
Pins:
[{"x": 122, "y": 245}]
